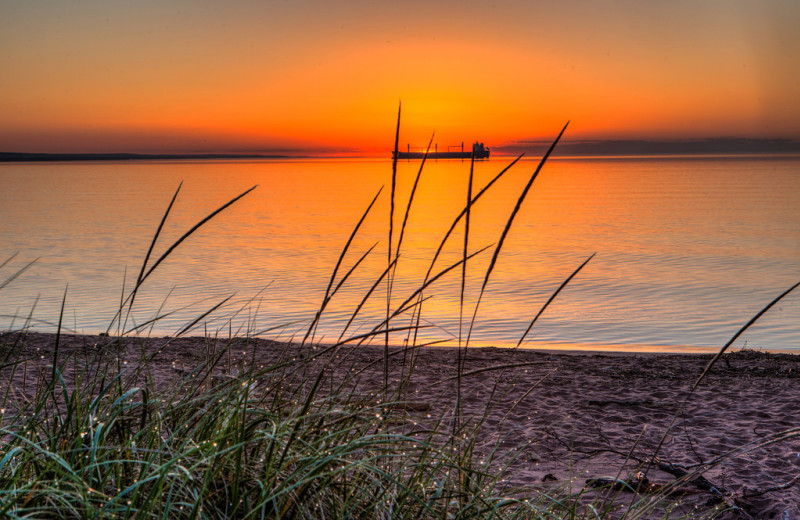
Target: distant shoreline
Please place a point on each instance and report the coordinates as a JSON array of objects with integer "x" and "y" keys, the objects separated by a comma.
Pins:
[
  {"x": 569, "y": 149},
  {"x": 19, "y": 157},
  {"x": 80, "y": 157}
]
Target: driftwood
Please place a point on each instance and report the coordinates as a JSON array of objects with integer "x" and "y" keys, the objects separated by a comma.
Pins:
[
  {"x": 639, "y": 483},
  {"x": 698, "y": 481},
  {"x": 780, "y": 487},
  {"x": 736, "y": 502}
]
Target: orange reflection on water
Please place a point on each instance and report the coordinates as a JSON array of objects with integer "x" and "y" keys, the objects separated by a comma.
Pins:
[{"x": 686, "y": 249}]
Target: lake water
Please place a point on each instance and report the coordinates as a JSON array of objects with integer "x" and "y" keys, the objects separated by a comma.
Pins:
[{"x": 688, "y": 249}]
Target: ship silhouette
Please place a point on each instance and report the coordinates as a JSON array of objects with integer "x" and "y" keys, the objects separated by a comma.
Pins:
[{"x": 478, "y": 149}]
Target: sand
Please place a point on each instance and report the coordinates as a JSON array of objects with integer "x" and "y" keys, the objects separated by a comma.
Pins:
[{"x": 572, "y": 419}]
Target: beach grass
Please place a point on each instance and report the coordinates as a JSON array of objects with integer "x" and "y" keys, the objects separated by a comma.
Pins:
[
  {"x": 91, "y": 433},
  {"x": 97, "y": 437}
]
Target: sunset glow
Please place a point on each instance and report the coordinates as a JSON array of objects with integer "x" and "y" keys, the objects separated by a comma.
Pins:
[{"x": 326, "y": 77}]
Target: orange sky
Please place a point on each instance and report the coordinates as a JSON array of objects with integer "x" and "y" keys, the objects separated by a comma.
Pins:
[{"x": 255, "y": 75}]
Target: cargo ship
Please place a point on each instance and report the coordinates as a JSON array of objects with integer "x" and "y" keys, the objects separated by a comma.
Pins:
[{"x": 480, "y": 151}]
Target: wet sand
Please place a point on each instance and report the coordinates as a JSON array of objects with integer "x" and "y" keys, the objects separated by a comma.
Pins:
[{"x": 571, "y": 419}]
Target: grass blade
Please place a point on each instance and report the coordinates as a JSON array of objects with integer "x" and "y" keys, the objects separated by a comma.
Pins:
[
  {"x": 517, "y": 207},
  {"x": 741, "y": 331},
  {"x": 152, "y": 245},
  {"x": 197, "y": 320},
  {"x": 366, "y": 297},
  {"x": 8, "y": 260},
  {"x": 346, "y": 247},
  {"x": 710, "y": 364},
  {"x": 191, "y": 232},
  {"x": 19, "y": 271},
  {"x": 411, "y": 197},
  {"x": 464, "y": 252},
  {"x": 391, "y": 255},
  {"x": 58, "y": 334},
  {"x": 407, "y": 304},
  {"x": 174, "y": 245},
  {"x": 464, "y": 212},
  {"x": 553, "y": 297},
  {"x": 507, "y": 228},
  {"x": 455, "y": 222}
]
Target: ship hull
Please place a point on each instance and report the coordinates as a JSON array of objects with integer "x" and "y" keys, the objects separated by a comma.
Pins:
[{"x": 442, "y": 155}]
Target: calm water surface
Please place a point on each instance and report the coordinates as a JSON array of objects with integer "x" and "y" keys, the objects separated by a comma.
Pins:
[{"x": 687, "y": 249}]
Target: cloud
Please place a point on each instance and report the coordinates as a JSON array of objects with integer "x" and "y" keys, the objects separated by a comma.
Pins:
[{"x": 599, "y": 147}]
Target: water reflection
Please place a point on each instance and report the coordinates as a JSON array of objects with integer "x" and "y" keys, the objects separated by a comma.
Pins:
[{"x": 688, "y": 250}]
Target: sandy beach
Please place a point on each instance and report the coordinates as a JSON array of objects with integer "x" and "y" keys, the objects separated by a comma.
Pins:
[{"x": 571, "y": 420}]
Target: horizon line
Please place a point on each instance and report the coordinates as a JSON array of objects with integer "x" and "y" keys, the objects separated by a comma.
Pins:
[{"x": 715, "y": 146}]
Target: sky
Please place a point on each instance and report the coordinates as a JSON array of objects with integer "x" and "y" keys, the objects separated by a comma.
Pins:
[{"x": 248, "y": 76}]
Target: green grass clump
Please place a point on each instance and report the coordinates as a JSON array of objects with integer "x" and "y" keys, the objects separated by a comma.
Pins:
[{"x": 105, "y": 441}]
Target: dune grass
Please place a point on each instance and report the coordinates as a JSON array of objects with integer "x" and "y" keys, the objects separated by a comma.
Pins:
[
  {"x": 252, "y": 446},
  {"x": 101, "y": 439},
  {"x": 96, "y": 437}
]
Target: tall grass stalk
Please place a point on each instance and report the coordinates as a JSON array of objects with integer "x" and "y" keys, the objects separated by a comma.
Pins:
[
  {"x": 418, "y": 314},
  {"x": 741, "y": 331},
  {"x": 464, "y": 254},
  {"x": 553, "y": 297},
  {"x": 58, "y": 334},
  {"x": 390, "y": 260},
  {"x": 330, "y": 291},
  {"x": 507, "y": 227},
  {"x": 140, "y": 278},
  {"x": 13, "y": 276},
  {"x": 145, "y": 273},
  {"x": 711, "y": 363}
]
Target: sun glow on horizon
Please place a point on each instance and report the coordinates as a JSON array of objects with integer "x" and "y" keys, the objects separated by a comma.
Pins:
[{"x": 258, "y": 78}]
